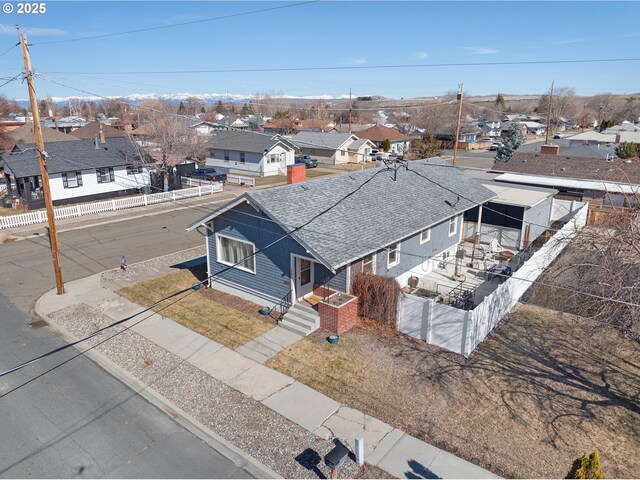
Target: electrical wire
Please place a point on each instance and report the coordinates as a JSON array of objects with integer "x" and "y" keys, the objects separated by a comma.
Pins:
[
  {"x": 193, "y": 287},
  {"x": 8, "y": 50},
  {"x": 193, "y": 22},
  {"x": 351, "y": 67}
]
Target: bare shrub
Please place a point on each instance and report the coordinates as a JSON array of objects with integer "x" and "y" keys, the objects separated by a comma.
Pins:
[{"x": 377, "y": 297}]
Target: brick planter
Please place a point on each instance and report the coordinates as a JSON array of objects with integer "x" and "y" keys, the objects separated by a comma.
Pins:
[{"x": 338, "y": 313}]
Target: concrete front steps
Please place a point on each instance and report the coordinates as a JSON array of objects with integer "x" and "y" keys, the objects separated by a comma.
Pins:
[{"x": 301, "y": 319}]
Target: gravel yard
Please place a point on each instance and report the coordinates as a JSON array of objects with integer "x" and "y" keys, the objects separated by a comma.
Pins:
[
  {"x": 538, "y": 393},
  {"x": 273, "y": 440}
]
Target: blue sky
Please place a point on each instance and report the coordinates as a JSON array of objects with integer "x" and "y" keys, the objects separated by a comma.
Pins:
[{"x": 336, "y": 34}]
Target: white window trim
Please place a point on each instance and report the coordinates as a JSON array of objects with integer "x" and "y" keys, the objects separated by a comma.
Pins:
[
  {"x": 428, "y": 230},
  {"x": 373, "y": 262},
  {"x": 219, "y": 260},
  {"x": 397, "y": 250},
  {"x": 455, "y": 230}
]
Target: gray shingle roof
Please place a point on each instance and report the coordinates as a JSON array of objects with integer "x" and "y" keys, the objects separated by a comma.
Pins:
[
  {"x": 329, "y": 141},
  {"x": 380, "y": 212},
  {"x": 71, "y": 156},
  {"x": 243, "y": 141}
]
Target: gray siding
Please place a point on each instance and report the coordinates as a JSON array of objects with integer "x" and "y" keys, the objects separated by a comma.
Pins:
[
  {"x": 337, "y": 281},
  {"x": 538, "y": 218},
  {"x": 273, "y": 266},
  {"x": 413, "y": 254}
]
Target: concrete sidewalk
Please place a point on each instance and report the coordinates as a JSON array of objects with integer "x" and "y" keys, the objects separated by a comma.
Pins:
[{"x": 386, "y": 447}]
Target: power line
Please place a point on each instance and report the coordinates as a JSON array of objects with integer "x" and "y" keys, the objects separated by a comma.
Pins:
[
  {"x": 353, "y": 67},
  {"x": 8, "y": 50},
  {"x": 193, "y": 22},
  {"x": 194, "y": 287}
]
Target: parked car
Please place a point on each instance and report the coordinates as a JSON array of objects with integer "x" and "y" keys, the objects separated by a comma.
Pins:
[
  {"x": 210, "y": 174},
  {"x": 307, "y": 160},
  {"x": 558, "y": 135},
  {"x": 496, "y": 145},
  {"x": 483, "y": 140}
]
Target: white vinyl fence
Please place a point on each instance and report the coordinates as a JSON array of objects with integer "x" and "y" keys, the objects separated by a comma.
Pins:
[
  {"x": 40, "y": 216},
  {"x": 240, "y": 180},
  {"x": 462, "y": 331},
  {"x": 564, "y": 209}
]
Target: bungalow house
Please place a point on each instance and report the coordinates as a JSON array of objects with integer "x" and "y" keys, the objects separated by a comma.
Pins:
[
  {"x": 601, "y": 182},
  {"x": 284, "y": 243},
  {"x": 333, "y": 148},
  {"x": 79, "y": 171},
  {"x": 251, "y": 153},
  {"x": 378, "y": 134}
]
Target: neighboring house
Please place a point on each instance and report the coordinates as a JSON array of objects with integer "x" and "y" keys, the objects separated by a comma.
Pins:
[
  {"x": 288, "y": 126},
  {"x": 96, "y": 129},
  {"x": 331, "y": 148},
  {"x": 378, "y": 134},
  {"x": 361, "y": 149},
  {"x": 290, "y": 240},
  {"x": 65, "y": 124},
  {"x": 239, "y": 124},
  {"x": 251, "y": 153},
  {"x": 25, "y": 135},
  {"x": 601, "y": 182},
  {"x": 625, "y": 126},
  {"x": 515, "y": 218},
  {"x": 353, "y": 128},
  {"x": 529, "y": 128},
  {"x": 468, "y": 134},
  {"x": 489, "y": 128},
  {"x": 78, "y": 171},
  {"x": 607, "y": 139},
  {"x": 208, "y": 128},
  {"x": 572, "y": 149}
]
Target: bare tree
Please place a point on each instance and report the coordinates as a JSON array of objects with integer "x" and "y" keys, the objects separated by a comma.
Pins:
[
  {"x": 598, "y": 272},
  {"x": 7, "y": 106},
  {"x": 586, "y": 118},
  {"x": 602, "y": 103},
  {"x": 166, "y": 140},
  {"x": 563, "y": 104}
]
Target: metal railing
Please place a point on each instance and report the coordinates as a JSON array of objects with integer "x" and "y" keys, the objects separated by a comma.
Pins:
[{"x": 282, "y": 307}]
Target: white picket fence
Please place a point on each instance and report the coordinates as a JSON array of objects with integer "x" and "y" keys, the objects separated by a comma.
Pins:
[
  {"x": 241, "y": 180},
  {"x": 462, "y": 331},
  {"x": 40, "y": 216}
]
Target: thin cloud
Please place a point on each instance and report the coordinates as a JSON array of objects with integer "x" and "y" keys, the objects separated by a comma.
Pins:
[
  {"x": 422, "y": 54},
  {"x": 358, "y": 61},
  {"x": 32, "y": 31},
  {"x": 481, "y": 50},
  {"x": 570, "y": 41}
]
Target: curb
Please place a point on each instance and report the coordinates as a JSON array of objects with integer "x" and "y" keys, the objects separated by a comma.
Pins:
[{"x": 240, "y": 458}]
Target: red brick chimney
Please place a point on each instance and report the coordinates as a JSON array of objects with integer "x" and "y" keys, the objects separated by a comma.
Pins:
[
  {"x": 617, "y": 139},
  {"x": 550, "y": 150},
  {"x": 296, "y": 173}
]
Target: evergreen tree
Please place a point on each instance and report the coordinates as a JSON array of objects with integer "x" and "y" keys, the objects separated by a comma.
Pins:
[
  {"x": 386, "y": 145},
  {"x": 512, "y": 141},
  {"x": 245, "y": 110},
  {"x": 181, "y": 109},
  {"x": 587, "y": 466},
  {"x": 220, "y": 107}
]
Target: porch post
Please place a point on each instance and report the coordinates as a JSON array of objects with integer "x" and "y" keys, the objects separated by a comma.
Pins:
[{"x": 479, "y": 226}]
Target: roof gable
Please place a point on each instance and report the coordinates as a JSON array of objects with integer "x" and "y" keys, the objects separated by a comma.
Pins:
[{"x": 380, "y": 133}]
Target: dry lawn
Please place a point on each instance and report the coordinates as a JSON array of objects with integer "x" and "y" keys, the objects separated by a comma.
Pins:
[
  {"x": 223, "y": 318},
  {"x": 538, "y": 393}
]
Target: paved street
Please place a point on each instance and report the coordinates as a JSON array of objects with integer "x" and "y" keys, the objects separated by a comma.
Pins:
[{"x": 78, "y": 421}]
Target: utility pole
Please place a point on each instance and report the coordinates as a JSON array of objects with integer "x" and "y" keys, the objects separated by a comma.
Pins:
[
  {"x": 350, "y": 109},
  {"x": 455, "y": 147},
  {"x": 53, "y": 236},
  {"x": 546, "y": 137}
]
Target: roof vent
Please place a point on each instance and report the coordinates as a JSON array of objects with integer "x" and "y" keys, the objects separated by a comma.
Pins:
[
  {"x": 562, "y": 169},
  {"x": 305, "y": 187},
  {"x": 628, "y": 161},
  {"x": 525, "y": 160}
]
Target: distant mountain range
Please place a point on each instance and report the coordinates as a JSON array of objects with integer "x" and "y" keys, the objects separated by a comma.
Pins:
[{"x": 206, "y": 98}]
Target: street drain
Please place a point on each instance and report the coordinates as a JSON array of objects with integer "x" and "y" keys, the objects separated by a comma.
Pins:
[{"x": 38, "y": 324}]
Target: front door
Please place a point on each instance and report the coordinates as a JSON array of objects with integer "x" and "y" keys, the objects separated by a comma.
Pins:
[{"x": 304, "y": 277}]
